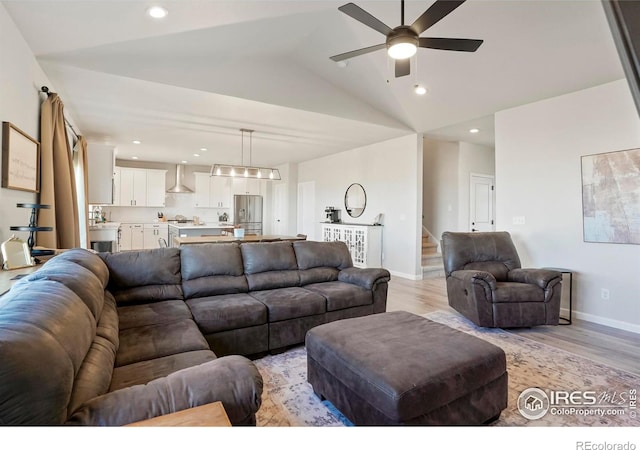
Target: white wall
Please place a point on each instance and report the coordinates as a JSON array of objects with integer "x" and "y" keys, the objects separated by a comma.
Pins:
[
  {"x": 538, "y": 150},
  {"x": 20, "y": 80},
  {"x": 447, "y": 169},
  {"x": 440, "y": 186},
  {"x": 477, "y": 159},
  {"x": 391, "y": 174}
]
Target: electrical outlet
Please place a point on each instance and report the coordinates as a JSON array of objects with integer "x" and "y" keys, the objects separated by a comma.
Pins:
[{"x": 604, "y": 294}]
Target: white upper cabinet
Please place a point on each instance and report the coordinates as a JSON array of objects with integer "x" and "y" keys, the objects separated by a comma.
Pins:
[
  {"x": 140, "y": 187},
  {"x": 212, "y": 192},
  {"x": 156, "y": 187},
  {"x": 248, "y": 186},
  {"x": 100, "y": 160}
]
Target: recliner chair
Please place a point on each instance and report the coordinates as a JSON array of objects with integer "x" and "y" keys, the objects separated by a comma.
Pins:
[{"x": 486, "y": 284}]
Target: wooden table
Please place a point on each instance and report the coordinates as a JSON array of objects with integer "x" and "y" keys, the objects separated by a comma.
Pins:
[
  {"x": 209, "y": 415},
  {"x": 178, "y": 241}
]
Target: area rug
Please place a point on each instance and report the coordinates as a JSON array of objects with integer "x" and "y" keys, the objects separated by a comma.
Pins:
[{"x": 602, "y": 395}]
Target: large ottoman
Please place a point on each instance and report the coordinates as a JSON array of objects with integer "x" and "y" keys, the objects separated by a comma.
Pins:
[{"x": 398, "y": 368}]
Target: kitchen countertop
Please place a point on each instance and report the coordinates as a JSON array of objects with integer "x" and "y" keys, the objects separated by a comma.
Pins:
[
  {"x": 103, "y": 225},
  {"x": 191, "y": 226}
]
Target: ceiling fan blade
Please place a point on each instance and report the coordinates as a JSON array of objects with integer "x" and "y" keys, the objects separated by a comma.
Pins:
[
  {"x": 459, "y": 45},
  {"x": 403, "y": 67},
  {"x": 354, "y": 53},
  {"x": 354, "y": 11},
  {"x": 434, "y": 14}
]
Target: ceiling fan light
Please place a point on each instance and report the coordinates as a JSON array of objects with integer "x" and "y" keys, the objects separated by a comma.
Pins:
[{"x": 402, "y": 50}]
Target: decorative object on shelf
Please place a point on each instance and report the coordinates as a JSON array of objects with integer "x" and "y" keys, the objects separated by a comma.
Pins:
[
  {"x": 15, "y": 254},
  {"x": 355, "y": 200},
  {"x": 20, "y": 160},
  {"x": 610, "y": 192},
  {"x": 242, "y": 171},
  {"x": 32, "y": 228},
  {"x": 333, "y": 214}
]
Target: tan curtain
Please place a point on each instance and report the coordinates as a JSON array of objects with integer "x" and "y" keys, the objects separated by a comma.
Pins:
[
  {"x": 81, "y": 167},
  {"x": 57, "y": 180}
]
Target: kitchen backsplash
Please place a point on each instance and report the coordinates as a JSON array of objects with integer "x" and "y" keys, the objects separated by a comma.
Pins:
[{"x": 176, "y": 204}]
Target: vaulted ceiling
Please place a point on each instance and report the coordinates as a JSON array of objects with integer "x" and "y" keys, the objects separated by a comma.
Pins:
[{"x": 193, "y": 79}]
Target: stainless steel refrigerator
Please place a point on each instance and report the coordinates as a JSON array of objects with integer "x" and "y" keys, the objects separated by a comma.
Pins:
[{"x": 247, "y": 213}]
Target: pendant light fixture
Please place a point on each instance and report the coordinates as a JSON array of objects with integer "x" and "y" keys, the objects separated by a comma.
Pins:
[{"x": 242, "y": 171}]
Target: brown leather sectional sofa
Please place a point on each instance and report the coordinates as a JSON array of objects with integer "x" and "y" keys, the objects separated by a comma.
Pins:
[{"x": 113, "y": 338}]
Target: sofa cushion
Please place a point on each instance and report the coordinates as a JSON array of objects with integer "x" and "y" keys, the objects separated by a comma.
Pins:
[
  {"x": 45, "y": 333},
  {"x": 318, "y": 275},
  {"x": 310, "y": 254},
  {"x": 80, "y": 280},
  {"x": 154, "y": 341},
  {"x": 268, "y": 256},
  {"x": 341, "y": 295},
  {"x": 144, "y": 276},
  {"x": 227, "y": 312},
  {"x": 212, "y": 269},
  {"x": 87, "y": 259},
  {"x": 291, "y": 303},
  {"x": 156, "y": 313},
  {"x": 517, "y": 293},
  {"x": 144, "y": 371}
]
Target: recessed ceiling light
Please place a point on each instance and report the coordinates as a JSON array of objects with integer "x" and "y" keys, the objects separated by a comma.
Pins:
[
  {"x": 157, "y": 12},
  {"x": 204, "y": 149},
  {"x": 136, "y": 142},
  {"x": 342, "y": 64},
  {"x": 474, "y": 130},
  {"x": 183, "y": 162},
  {"x": 134, "y": 157},
  {"x": 195, "y": 154},
  {"x": 419, "y": 89}
]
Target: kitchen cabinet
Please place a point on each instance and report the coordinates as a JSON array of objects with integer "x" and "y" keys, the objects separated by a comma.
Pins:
[
  {"x": 153, "y": 232},
  {"x": 100, "y": 160},
  {"x": 156, "y": 187},
  {"x": 140, "y": 187},
  {"x": 363, "y": 241},
  {"x": 212, "y": 192},
  {"x": 248, "y": 186},
  {"x": 131, "y": 236}
]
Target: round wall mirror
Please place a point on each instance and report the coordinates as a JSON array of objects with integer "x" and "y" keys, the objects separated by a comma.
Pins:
[{"x": 355, "y": 200}]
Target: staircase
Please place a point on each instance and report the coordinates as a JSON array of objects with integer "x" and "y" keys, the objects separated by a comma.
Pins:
[{"x": 432, "y": 266}]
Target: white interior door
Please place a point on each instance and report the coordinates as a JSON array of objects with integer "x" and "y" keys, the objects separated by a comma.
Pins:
[
  {"x": 306, "y": 209},
  {"x": 482, "y": 203},
  {"x": 280, "y": 214}
]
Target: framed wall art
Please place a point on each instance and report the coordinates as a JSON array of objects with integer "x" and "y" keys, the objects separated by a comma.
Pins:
[
  {"x": 611, "y": 197},
  {"x": 20, "y": 160}
]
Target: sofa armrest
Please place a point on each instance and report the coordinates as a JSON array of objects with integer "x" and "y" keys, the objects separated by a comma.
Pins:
[
  {"x": 233, "y": 380},
  {"x": 542, "y": 278},
  {"x": 474, "y": 277},
  {"x": 367, "y": 278}
]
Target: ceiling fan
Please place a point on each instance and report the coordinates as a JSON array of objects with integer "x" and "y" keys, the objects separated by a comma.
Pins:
[{"x": 403, "y": 41}]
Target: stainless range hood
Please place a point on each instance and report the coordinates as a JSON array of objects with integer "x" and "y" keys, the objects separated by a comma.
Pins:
[{"x": 179, "y": 187}]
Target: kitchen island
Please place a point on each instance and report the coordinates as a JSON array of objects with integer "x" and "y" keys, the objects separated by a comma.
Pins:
[
  {"x": 183, "y": 230},
  {"x": 221, "y": 239}
]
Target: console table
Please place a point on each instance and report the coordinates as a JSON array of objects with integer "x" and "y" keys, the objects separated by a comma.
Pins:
[
  {"x": 209, "y": 415},
  {"x": 363, "y": 241}
]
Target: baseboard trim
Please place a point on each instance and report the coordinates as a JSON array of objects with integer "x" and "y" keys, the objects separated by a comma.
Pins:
[
  {"x": 613, "y": 323},
  {"x": 406, "y": 275}
]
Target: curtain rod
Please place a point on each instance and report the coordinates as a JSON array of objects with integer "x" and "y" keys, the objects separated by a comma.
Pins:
[{"x": 46, "y": 90}]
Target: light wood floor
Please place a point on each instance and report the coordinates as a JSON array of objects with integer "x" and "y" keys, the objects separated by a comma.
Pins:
[{"x": 606, "y": 345}]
